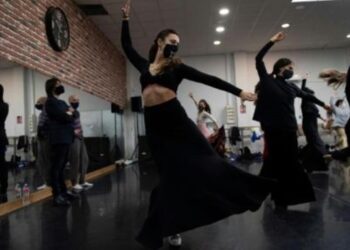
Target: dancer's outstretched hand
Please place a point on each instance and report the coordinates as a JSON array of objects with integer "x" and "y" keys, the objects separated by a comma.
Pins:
[
  {"x": 126, "y": 9},
  {"x": 247, "y": 96},
  {"x": 278, "y": 37},
  {"x": 328, "y": 108}
]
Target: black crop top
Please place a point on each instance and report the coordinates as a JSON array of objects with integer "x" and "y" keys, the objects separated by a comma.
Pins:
[{"x": 170, "y": 78}]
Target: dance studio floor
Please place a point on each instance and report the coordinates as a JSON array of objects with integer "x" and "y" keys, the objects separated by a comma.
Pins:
[{"x": 109, "y": 215}]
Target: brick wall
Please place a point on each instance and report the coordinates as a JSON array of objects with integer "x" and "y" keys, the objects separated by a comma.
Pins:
[{"x": 91, "y": 62}]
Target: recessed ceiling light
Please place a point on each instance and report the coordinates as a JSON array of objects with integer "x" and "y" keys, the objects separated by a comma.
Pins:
[
  {"x": 220, "y": 29},
  {"x": 217, "y": 42},
  {"x": 348, "y": 36},
  {"x": 224, "y": 11},
  {"x": 285, "y": 25}
]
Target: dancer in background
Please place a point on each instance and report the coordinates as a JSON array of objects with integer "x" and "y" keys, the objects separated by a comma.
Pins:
[
  {"x": 276, "y": 114},
  {"x": 4, "y": 110},
  {"x": 312, "y": 154},
  {"x": 209, "y": 127},
  {"x": 336, "y": 78},
  {"x": 197, "y": 187},
  {"x": 43, "y": 153},
  {"x": 341, "y": 114}
]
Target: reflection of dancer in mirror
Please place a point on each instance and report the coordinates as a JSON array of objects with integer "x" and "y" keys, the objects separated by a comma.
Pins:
[
  {"x": 336, "y": 78},
  {"x": 209, "y": 127},
  {"x": 43, "y": 152},
  {"x": 4, "y": 110},
  {"x": 206, "y": 122},
  {"x": 197, "y": 187},
  {"x": 312, "y": 153},
  {"x": 341, "y": 114},
  {"x": 276, "y": 114}
]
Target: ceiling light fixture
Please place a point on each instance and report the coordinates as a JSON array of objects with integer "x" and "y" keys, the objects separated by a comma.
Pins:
[
  {"x": 348, "y": 36},
  {"x": 224, "y": 11},
  {"x": 285, "y": 25},
  {"x": 220, "y": 29},
  {"x": 217, "y": 43}
]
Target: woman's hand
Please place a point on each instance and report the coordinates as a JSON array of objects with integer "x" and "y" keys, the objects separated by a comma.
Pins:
[
  {"x": 247, "y": 96},
  {"x": 126, "y": 9},
  {"x": 328, "y": 108},
  {"x": 190, "y": 95},
  {"x": 278, "y": 37}
]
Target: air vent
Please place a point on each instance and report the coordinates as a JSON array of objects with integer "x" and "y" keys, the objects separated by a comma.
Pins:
[{"x": 93, "y": 9}]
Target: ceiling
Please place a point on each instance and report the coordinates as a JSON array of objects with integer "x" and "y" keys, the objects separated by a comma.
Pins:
[{"x": 248, "y": 26}]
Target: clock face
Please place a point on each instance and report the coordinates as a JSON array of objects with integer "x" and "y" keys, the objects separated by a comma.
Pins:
[{"x": 57, "y": 29}]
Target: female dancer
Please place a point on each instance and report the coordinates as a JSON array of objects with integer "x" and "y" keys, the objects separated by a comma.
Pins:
[
  {"x": 312, "y": 154},
  {"x": 206, "y": 122},
  {"x": 4, "y": 110},
  {"x": 197, "y": 187},
  {"x": 275, "y": 111},
  {"x": 335, "y": 78}
]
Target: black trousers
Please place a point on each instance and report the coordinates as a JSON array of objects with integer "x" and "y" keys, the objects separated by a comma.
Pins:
[
  {"x": 3, "y": 171},
  {"x": 59, "y": 156},
  {"x": 281, "y": 163}
]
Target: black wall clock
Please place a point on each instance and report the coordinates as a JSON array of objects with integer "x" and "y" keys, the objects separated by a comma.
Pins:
[{"x": 57, "y": 29}]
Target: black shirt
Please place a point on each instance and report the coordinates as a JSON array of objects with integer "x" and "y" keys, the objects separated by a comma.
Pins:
[
  {"x": 275, "y": 104},
  {"x": 171, "y": 78}
]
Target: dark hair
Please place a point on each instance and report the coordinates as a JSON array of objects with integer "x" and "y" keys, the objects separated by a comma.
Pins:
[
  {"x": 282, "y": 62},
  {"x": 154, "y": 48},
  {"x": 339, "y": 102},
  {"x": 207, "y": 107},
  {"x": 1, "y": 94},
  {"x": 50, "y": 85}
]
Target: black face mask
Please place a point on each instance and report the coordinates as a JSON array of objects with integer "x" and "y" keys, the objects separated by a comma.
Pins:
[
  {"x": 39, "y": 106},
  {"x": 59, "y": 90},
  {"x": 287, "y": 74},
  {"x": 170, "y": 50},
  {"x": 75, "y": 105}
]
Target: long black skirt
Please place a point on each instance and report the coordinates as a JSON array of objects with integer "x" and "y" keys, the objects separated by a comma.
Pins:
[
  {"x": 281, "y": 163},
  {"x": 197, "y": 187}
]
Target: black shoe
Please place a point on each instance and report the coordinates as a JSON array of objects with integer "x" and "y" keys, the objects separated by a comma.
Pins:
[
  {"x": 71, "y": 196},
  {"x": 61, "y": 201}
]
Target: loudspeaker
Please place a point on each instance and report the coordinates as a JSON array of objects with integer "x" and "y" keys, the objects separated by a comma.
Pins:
[
  {"x": 136, "y": 104},
  {"x": 115, "y": 108}
]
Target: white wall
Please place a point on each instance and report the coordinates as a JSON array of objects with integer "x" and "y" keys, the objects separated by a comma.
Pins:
[
  {"x": 12, "y": 81},
  {"x": 306, "y": 61}
]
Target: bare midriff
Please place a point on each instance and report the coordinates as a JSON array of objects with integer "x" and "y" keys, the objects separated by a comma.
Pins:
[{"x": 155, "y": 94}]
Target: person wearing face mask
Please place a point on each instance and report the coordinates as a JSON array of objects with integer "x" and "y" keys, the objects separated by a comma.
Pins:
[
  {"x": 4, "y": 110},
  {"x": 61, "y": 136},
  {"x": 275, "y": 112},
  {"x": 43, "y": 153},
  {"x": 196, "y": 187},
  {"x": 78, "y": 157}
]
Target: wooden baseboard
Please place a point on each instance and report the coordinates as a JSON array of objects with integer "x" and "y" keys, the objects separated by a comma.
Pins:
[{"x": 46, "y": 193}]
